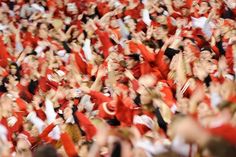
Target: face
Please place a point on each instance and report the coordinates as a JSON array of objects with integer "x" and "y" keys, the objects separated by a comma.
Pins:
[
  {"x": 161, "y": 19},
  {"x": 204, "y": 8},
  {"x": 13, "y": 69},
  {"x": 160, "y": 33},
  {"x": 181, "y": 22},
  {"x": 206, "y": 55},
  {"x": 75, "y": 34},
  {"x": 145, "y": 97},
  {"x": 6, "y": 106},
  {"x": 5, "y": 149},
  {"x": 114, "y": 23},
  {"x": 199, "y": 71},
  {"x": 31, "y": 28},
  {"x": 178, "y": 3},
  {"x": 34, "y": 132},
  {"x": 23, "y": 148},
  {"x": 130, "y": 63},
  {"x": 131, "y": 24},
  {"x": 204, "y": 110},
  {"x": 5, "y": 19},
  {"x": 183, "y": 105},
  {"x": 43, "y": 31}
]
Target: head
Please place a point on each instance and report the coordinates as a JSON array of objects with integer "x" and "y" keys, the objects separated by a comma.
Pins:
[
  {"x": 23, "y": 148},
  {"x": 46, "y": 150},
  {"x": 14, "y": 68},
  {"x": 4, "y": 148},
  {"x": 204, "y": 7},
  {"x": 43, "y": 31},
  {"x": 6, "y": 105},
  {"x": 34, "y": 131},
  {"x": 178, "y": 3}
]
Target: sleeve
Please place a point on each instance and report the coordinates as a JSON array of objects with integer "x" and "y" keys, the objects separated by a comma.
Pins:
[
  {"x": 147, "y": 55},
  {"x": 81, "y": 65},
  {"x": 162, "y": 65},
  {"x": 99, "y": 97},
  {"x": 135, "y": 84},
  {"x": 123, "y": 113},
  {"x": 19, "y": 47},
  {"x": 169, "y": 52},
  {"x": 219, "y": 45},
  {"x": 66, "y": 47},
  {"x": 68, "y": 145},
  {"x": 87, "y": 50},
  {"x": 39, "y": 49},
  {"x": 105, "y": 40},
  {"x": 36, "y": 121},
  {"x": 50, "y": 113},
  {"x": 46, "y": 131},
  {"x": 146, "y": 17},
  {"x": 179, "y": 142},
  {"x": 21, "y": 104},
  {"x": 86, "y": 102},
  {"x": 160, "y": 120},
  {"x": 123, "y": 29},
  {"x": 4, "y": 53},
  {"x": 51, "y": 116},
  {"x": 85, "y": 123},
  {"x": 216, "y": 51},
  {"x": 23, "y": 12}
]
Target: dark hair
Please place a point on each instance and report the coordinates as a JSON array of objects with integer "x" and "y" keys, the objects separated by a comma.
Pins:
[
  {"x": 168, "y": 154},
  {"x": 45, "y": 151},
  {"x": 206, "y": 48},
  {"x": 220, "y": 147},
  {"x": 135, "y": 56},
  {"x": 18, "y": 69},
  {"x": 3, "y": 87},
  {"x": 116, "y": 152},
  {"x": 113, "y": 122},
  {"x": 33, "y": 86},
  {"x": 191, "y": 39}
]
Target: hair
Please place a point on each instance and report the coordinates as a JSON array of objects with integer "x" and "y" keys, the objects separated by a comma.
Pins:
[
  {"x": 116, "y": 152},
  {"x": 220, "y": 147},
  {"x": 206, "y": 48},
  {"x": 74, "y": 132},
  {"x": 18, "y": 70},
  {"x": 45, "y": 150},
  {"x": 168, "y": 154},
  {"x": 3, "y": 87}
]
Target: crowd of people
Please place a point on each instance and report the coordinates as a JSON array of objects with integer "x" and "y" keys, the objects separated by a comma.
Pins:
[{"x": 117, "y": 78}]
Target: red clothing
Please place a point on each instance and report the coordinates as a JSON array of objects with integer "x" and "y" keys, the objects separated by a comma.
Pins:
[
  {"x": 16, "y": 128},
  {"x": 85, "y": 123},
  {"x": 105, "y": 40},
  {"x": 68, "y": 145},
  {"x": 4, "y": 55},
  {"x": 226, "y": 131}
]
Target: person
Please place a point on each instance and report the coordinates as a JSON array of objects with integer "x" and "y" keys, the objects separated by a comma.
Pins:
[
  {"x": 111, "y": 78},
  {"x": 46, "y": 150}
]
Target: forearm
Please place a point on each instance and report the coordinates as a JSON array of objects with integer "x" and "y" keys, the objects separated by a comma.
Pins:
[{"x": 96, "y": 86}]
